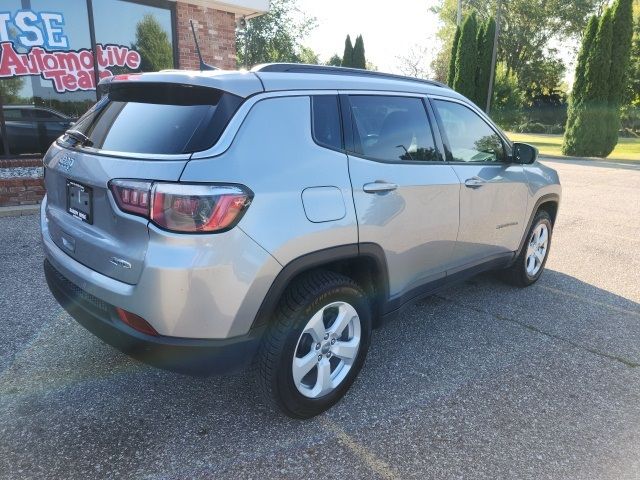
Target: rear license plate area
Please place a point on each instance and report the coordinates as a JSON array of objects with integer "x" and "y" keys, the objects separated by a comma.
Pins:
[{"x": 80, "y": 201}]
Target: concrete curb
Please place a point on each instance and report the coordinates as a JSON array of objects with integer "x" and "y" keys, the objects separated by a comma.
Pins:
[
  {"x": 19, "y": 210},
  {"x": 587, "y": 159}
]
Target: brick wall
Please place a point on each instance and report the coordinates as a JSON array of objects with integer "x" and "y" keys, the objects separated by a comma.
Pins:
[
  {"x": 21, "y": 191},
  {"x": 216, "y": 34}
]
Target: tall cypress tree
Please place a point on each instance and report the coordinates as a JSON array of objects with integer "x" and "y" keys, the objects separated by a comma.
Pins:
[
  {"x": 452, "y": 62},
  {"x": 347, "y": 56},
  {"x": 359, "y": 60},
  {"x": 486, "y": 36},
  {"x": 572, "y": 136},
  {"x": 480, "y": 54},
  {"x": 467, "y": 58},
  {"x": 591, "y": 114},
  {"x": 620, "y": 57},
  {"x": 579, "y": 82}
]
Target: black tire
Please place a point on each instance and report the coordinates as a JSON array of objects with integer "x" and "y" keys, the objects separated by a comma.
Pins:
[
  {"x": 302, "y": 299},
  {"x": 517, "y": 274}
]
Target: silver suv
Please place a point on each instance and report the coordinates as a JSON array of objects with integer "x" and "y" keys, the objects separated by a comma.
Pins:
[{"x": 208, "y": 221}]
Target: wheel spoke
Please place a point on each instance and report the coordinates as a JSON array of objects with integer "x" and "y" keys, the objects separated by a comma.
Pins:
[
  {"x": 531, "y": 263},
  {"x": 346, "y": 350},
  {"x": 341, "y": 322},
  {"x": 302, "y": 366},
  {"x": 539, "y": 255},
  {"x": 543, "y": 237},
  {"x": 315, "y": 327},
  {"x": 323, "y": 382}
]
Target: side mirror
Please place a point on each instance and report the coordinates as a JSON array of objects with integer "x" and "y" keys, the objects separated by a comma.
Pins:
[{"x": 524, "y": 153}]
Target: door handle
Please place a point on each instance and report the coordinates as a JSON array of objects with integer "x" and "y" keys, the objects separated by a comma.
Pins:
[
  {"x": 474, "y": 182},
  {"x": 379, "y": 187}
]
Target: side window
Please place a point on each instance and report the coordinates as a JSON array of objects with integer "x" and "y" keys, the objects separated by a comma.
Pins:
[
  {"x": 12, "y": 114},
  {"x": 392, "y": 128},
  {"x": 327, "y": 130},
  {"x": 44, "y": 115},
  {"x": 470, "y": 138}
]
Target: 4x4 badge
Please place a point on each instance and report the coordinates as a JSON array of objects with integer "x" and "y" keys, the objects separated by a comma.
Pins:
[{"x": 118, "y": 262}]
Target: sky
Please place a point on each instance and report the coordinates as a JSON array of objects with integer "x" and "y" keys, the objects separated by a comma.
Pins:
[
  {"x": 387, "y": 32},
  {"x": 389, "y": 29}
]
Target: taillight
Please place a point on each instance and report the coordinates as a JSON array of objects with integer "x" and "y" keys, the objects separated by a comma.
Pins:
[
  {"x": 182, "y": 207},
  {"x": 132, "y": 196}
]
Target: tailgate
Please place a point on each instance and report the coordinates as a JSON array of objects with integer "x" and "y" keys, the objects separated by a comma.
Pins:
[{"x": 109, "y": 241}]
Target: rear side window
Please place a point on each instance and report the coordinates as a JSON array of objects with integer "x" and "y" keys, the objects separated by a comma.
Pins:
[
  {"x": 392, "y": 128},
  {"x": 158, "y": 118},
  {"x": 327, "y": 130}
]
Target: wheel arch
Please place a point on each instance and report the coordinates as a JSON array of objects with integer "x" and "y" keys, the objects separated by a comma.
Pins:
[
  {"x": 365, "y": 263},
  {"x": 549, "y": 203}
]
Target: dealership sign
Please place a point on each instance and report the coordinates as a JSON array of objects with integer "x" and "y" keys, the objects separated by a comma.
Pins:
[{"x": 41, "y": 48}]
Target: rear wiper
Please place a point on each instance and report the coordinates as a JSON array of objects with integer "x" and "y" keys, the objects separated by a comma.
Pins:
[{"x": 80, "y": 137}]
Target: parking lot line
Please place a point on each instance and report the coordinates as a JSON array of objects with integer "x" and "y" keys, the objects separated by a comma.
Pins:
[
  {"x": 374, "y": 463},
  {"x": 588, "y": 300}
]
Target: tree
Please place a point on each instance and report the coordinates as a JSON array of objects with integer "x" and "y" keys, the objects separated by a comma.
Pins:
[
  {"x": 486, "y": 36},
  {"x": 633, "y": 92},
  {"x": 308, "y": 56},
  {"x": 359, "y": 60},
  {"x": 467, "y": 58},
  {"x": 413, "y": 63},
  {"x": 347, "y": 56},
  {"x": 335, "y": 61},
  {"x": 620, "y": 59},
  {"x": 275, "y": 36},
  {"x": 581, "y": 65},
  {"x": 451, "y": 75},
  {"x": 586, "y": 128},
  {"x": 528, "y": 29},
  {"x": 10, "y": 90},
  {"x": 153, "y": 45},
  {"x": 572, "y": 138}
]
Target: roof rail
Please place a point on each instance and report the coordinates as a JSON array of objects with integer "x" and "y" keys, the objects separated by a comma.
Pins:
[{"x": 330, "y": 70}]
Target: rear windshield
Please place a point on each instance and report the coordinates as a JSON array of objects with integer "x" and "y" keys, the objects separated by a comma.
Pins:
[{"x": 156, "y": 118}]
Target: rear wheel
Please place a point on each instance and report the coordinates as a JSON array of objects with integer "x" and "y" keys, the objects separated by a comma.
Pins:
[
  {"x": 530, "y": 264},
  {"x": 315, "y": 345}
]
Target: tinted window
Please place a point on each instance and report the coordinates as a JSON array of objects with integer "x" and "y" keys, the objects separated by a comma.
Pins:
[
  {"x": 12, "y": 114},
  {"x": 326, "y": 121},
  {"x": 44, "y": 115},
  {"x": 392, "y": 128},
  {"x": 470, "y": 137},
  {"x": 158, "y": 118}
]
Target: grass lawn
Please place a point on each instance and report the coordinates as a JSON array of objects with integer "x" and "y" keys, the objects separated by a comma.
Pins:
[{"x": 627, "y": 148}]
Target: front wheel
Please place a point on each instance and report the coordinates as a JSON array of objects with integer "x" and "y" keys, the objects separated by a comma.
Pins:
[
  {"x": 315, "y": 345},
  {"x": 530, "y": 264}
]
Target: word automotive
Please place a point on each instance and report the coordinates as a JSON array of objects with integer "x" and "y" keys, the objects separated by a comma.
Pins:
[{"x": 69, "y": 70}]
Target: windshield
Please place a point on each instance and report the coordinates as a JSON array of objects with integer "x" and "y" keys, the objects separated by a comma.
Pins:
[{"x": 154, "y": 118}]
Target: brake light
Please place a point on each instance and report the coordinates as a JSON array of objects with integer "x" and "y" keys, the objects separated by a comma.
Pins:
[{"x": 181, "y": 207}]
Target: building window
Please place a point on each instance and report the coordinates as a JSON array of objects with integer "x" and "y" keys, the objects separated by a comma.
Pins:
[
  {"x": 143, "y": 28},
  {"x": 47, "y": 71}
]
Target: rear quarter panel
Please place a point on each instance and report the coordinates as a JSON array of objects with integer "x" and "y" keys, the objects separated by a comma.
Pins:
[{"x": 273, "y": 153}]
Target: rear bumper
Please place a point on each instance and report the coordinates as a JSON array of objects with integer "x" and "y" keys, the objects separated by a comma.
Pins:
[{"x": 183, "y": 355}]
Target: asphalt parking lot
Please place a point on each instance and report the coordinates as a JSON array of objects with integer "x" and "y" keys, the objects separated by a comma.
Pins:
[{"x": 480, "y": 381}]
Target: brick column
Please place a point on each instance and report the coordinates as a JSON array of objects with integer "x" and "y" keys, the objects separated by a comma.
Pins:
[{"x": 216, "y": 34}]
